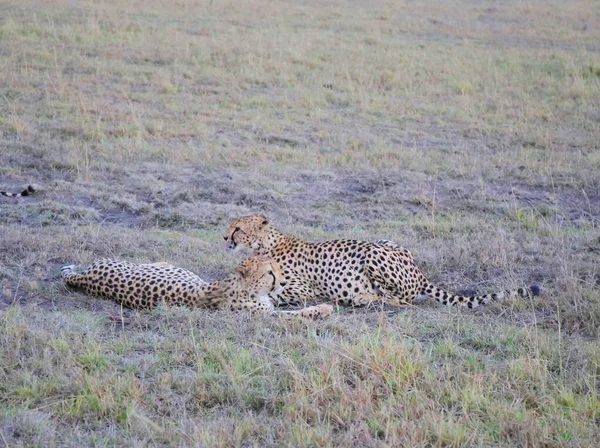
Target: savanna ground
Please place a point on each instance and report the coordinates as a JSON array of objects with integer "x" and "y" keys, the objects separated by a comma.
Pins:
[{"x": 467, "y": 131}]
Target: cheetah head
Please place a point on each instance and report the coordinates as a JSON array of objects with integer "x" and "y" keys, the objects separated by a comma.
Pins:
[
  {"x": 261, "y": 276},
  {"x": 247, "y": 232}
]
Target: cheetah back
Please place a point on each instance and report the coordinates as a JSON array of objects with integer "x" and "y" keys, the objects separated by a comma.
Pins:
[{"x": 140, "y": 286}]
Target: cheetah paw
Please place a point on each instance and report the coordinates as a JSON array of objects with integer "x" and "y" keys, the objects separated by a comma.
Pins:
[{"x": 318, "y": 311}]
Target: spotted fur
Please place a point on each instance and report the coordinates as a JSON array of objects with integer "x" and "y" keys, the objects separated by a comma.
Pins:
[
  {"x": 26, "y": 192},
  {"x": 348, "y": 272},
  {"x": 143, "y": 286}
]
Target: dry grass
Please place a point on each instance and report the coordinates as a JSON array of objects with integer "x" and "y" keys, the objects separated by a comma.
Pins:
[{"x": 467, "y": 131}]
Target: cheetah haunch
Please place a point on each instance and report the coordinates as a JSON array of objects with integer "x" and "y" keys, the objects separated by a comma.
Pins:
[{"x": 348, "y": 272}]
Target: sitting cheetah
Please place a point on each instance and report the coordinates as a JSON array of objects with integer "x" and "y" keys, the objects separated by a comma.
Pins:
[
  {"x": 142, "y": 286},
  {"x": 347, "y": 271}
]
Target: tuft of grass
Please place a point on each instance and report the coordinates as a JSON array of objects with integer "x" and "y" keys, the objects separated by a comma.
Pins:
[{"x": 463, "y": 87}]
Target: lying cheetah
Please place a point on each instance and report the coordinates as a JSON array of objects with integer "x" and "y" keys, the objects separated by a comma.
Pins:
[
  {"x": 26, "y": 192},
  {"x": 347, "y": 271},
  {"x": 141, "y": 286}
]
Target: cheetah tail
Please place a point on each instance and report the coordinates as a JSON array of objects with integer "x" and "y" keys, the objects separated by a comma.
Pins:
[
  {"x": 471, "y": 302},
  {"x": 69, "y": 275},
  {"x": 27, "y": 192}
]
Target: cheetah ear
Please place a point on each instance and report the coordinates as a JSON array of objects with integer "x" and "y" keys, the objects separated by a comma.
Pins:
[{"x": 265, "y": 220}]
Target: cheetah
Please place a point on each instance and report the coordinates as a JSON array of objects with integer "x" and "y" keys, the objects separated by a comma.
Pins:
[
  {"x": 144, "y": 286},
  {"x": 26, "y": 192},
  {"x": 349, "y": 272}
]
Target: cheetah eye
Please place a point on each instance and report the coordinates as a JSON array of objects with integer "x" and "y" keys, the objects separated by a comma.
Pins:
[
  {"x": 237, "y": 228},
  {"x": 270, "y": 272},
  {"x": 225, "y": 238}
]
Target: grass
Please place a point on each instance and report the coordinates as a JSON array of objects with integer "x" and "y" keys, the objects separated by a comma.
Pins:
[{"x": 465, "y": 131}]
